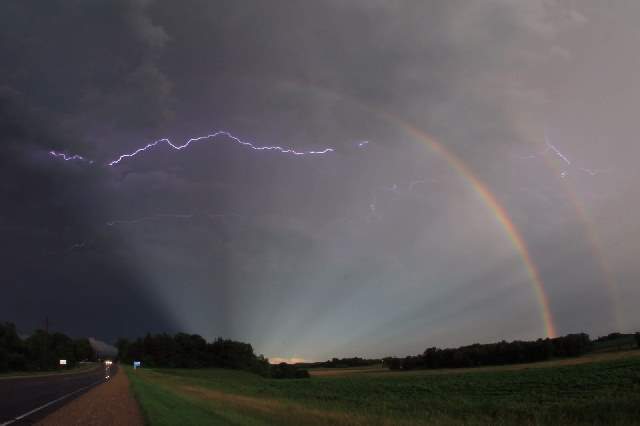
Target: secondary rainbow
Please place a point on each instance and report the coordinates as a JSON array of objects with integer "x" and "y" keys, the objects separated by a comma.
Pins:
[{"x": 593, "y": 240}]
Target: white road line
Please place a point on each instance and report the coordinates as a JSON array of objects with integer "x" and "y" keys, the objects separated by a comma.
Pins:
[{"x": 35, "y": 410}]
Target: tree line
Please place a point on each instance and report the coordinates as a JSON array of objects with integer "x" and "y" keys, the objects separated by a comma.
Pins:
[
  {"x": 499, "y": 353},
  {"x": 41, "y": 351},
  {"x": 341, "y": 363},
  {"x": 616, "y": 341},
  {"x": 193, "y": 351}
]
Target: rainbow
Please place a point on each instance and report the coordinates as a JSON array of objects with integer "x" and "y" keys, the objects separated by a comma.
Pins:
[
  {"x": 479, "y": 187},
  {"x": 498, "y": 211}
]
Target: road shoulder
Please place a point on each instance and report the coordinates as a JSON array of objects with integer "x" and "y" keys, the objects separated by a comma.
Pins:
[{"x": 112, "y": 403}]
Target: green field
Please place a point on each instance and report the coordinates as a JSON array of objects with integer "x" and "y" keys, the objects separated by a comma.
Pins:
[{"x": 604, "y": 390}]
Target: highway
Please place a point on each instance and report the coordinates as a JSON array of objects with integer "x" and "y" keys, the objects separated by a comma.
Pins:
[{"x": 23, "y": 400}]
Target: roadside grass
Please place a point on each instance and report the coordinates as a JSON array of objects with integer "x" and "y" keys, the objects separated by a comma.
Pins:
[
  {"x": 29, "y": 374},
  {"x": 161, "y": 406},
  {"x": 604, "y": 390}
]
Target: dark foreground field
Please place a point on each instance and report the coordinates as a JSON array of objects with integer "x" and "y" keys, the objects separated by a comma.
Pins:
[{"x": 603, "y": 390}]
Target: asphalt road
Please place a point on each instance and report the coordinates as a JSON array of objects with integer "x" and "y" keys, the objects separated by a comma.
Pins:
[{"x": 27, "y": 399}]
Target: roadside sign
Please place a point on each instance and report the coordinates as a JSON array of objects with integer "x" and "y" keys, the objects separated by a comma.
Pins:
[
  {"x": 136, "y": 364},
  {"x": 63, "y": 362}
]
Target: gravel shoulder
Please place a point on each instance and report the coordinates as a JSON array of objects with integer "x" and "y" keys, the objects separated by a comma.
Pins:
[{"x": 111, "y": 403}]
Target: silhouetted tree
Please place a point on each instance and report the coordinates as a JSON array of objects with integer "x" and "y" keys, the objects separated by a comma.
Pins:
[
  {"x": 495, "y": 353},
  {"x": 63, "y": 348},
  {"x": 123, "y": 348},
  {"x": 392, "y": 363},
  {"x": 192, "y": 351},
  {"x": 288, "y": 371},
  {"x": 11, "y": 349},
  {"x": 83, "y": 350},
  {"x": 40, "y": 351},
  {"x": 39, "y": 355},
  {"x": 261, "y": 366},
  {"x": 347, "y": 362},
  {"x": 44, "y": 350}
]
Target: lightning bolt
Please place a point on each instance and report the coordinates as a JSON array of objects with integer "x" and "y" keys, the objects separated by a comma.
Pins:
[
  {"x": 147, "y": 218},
  {"x": 214, "y": 135},
  {"x": 128, "y": 221},
  {"x": 412, "y": 184},
  {"x": 556, "y": 150},
  {"x": 398, "y": 190},
  {"x": 593, "y": 172},
  {"x": 66, "y": 157},
  {"x": 224, "y": 133},
  {"x": 563, "y": 157},
  {"x": 183, "y": 216}
]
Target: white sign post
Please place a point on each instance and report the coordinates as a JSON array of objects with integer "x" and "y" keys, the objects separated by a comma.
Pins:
[{"x": 136, "y": 364}]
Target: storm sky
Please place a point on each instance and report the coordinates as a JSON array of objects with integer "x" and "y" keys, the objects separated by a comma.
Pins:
[{"x": 383, "y": 246}]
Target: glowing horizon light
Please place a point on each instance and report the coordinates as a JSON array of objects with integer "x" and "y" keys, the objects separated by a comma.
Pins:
[{"x": 235, "y": 139}]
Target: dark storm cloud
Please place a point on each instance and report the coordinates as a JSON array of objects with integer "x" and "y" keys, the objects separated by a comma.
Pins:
[
  {"x": 221, "y": 239},
  {"x": 56, "y": 265},
  {"x": 88, "y": 65}
]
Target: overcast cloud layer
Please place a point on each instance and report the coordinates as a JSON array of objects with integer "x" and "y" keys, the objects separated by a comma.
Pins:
[{"x": 373, "y": 248}]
